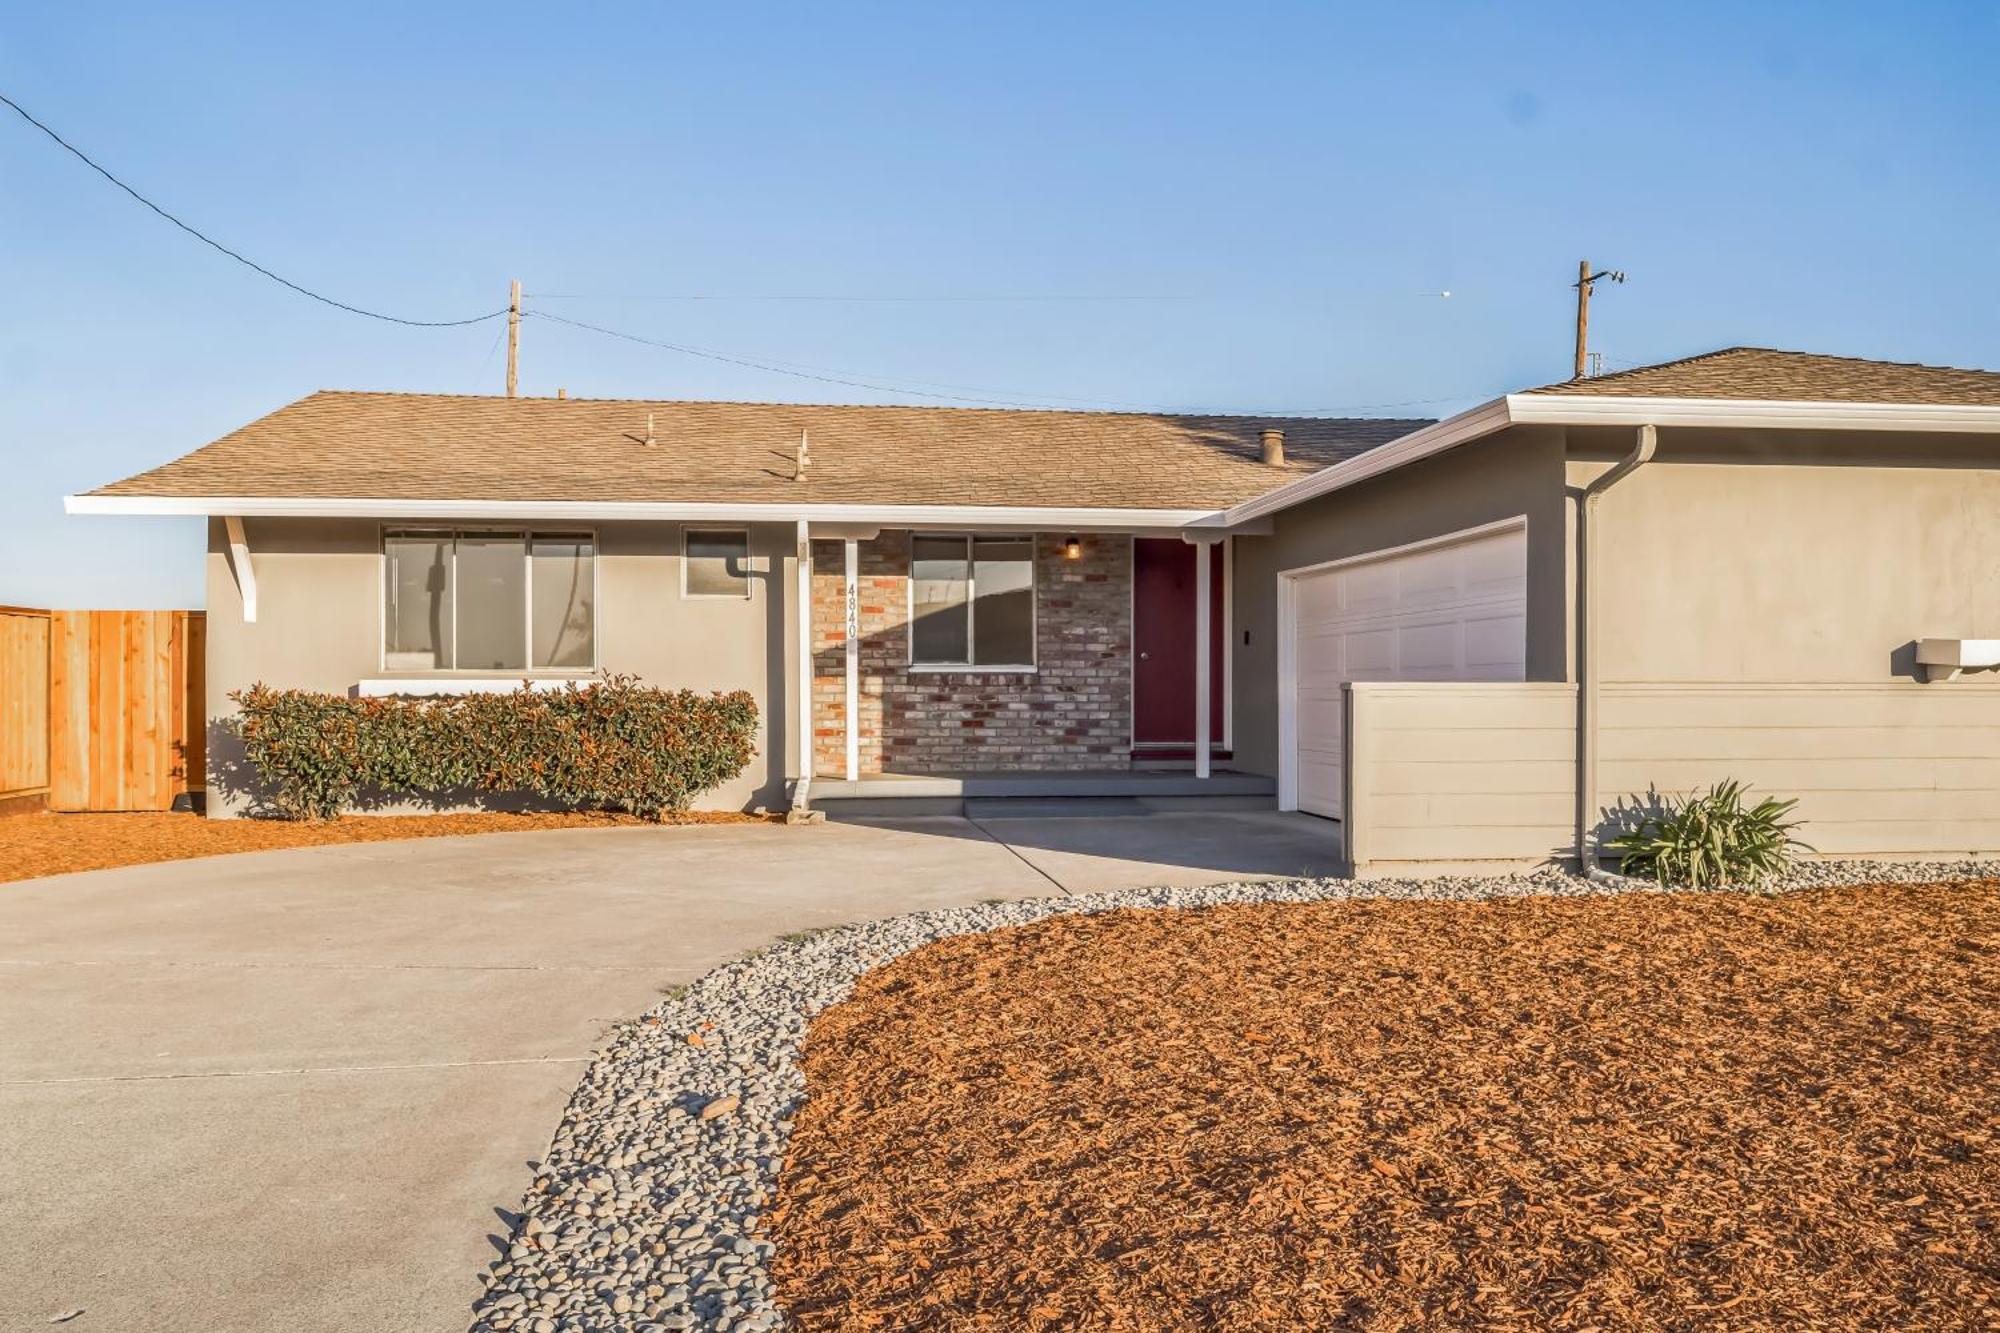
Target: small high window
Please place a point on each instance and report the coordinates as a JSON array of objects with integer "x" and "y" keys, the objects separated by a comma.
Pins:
[
  {"x": 972, "y": 602},
  {"x": 716, "y": 564},
  {"x": 488, "y": 601}
]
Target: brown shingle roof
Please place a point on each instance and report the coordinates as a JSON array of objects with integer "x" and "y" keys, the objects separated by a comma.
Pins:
[
  {"x": 1760, "y": 372},
  {"x": 437, "y": 446}
]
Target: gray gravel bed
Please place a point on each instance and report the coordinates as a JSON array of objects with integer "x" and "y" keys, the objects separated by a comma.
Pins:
[{"x": 646, "y": 1211}]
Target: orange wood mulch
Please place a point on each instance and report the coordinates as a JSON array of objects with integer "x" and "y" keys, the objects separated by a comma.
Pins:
[
  {"x": 1649, "y": 1111},
  {"x": 53, "y": 844}
]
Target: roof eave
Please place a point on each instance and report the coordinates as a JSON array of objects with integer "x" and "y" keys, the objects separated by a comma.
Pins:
[
  {"x": 1522, "y": 409},
  {"x": 582, "y": 511}
]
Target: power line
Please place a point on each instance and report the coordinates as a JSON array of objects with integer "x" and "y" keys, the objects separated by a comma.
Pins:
[
  {"x": 777, "y": 368},
  {"x": 877, "y": 384},
  {"x": 859, "y": 300},
  {"x": 214, "y": 244}
]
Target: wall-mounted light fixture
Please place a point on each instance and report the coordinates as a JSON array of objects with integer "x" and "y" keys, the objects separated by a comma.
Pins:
[{"x": 1072, "y": 548}]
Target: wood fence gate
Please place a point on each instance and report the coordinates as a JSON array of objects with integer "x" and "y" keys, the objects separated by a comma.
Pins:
[{"x": 101, "y": 710}]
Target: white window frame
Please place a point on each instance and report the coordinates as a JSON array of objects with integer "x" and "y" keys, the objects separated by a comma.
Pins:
[
  {"x": 749, "y": 581},
  {"x": 971, "y": 602},
  {"x": 527, "y": 534}
]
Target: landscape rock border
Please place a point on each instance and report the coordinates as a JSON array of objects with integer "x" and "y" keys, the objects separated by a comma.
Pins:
[{"x": 646, "y": 1210}]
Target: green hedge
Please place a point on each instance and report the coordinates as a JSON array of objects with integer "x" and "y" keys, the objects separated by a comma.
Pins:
[{"x": 612, "y": 744}]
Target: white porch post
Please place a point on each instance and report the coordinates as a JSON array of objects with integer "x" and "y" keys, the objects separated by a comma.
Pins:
[
  {"x": 802, "y": 793},
  {"x": 1204, "y": 631},
  {"x": 853, "y": 635}
]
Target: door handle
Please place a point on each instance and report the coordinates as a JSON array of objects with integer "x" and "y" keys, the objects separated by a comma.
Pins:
[{"x": 1145, "y": 657}]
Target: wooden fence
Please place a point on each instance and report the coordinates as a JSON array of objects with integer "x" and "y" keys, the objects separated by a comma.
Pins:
[{"x": 101, "y": 710}]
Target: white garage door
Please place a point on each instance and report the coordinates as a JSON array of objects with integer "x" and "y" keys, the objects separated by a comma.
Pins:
[{"x": 1449, "y": 612}]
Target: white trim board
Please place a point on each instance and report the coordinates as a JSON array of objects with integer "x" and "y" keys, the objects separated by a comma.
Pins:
[{"x": 577, "y": 511}]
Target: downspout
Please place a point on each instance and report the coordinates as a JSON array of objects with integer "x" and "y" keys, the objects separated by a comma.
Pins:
[{"x": 1586, "y": 647}]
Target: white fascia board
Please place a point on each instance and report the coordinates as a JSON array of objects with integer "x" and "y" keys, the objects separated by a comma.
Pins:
[
  {"x": 557, "y": 511},
  {"x": 1433, "y": 439},
  {"x": 1748, "y": 413}
]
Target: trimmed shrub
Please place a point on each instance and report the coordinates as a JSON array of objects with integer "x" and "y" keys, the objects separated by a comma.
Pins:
[
  {"x": 1710, "y": 838},
  {"x": 612, "y": 744}
]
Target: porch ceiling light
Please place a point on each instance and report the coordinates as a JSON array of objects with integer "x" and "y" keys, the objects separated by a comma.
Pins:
[{"x": 1072, "y": 548}]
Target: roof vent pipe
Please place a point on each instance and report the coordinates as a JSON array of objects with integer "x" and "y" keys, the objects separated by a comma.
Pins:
[
  {"x": 650, "y": 440},
  {"x": 1273, "y": 452}
]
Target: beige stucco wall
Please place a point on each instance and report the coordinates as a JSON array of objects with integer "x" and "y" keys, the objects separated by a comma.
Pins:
[
  {"x": 1517, "y": 474},
  {"x": 1716, "y": 571},
  {"x": 319, "y": 608}
]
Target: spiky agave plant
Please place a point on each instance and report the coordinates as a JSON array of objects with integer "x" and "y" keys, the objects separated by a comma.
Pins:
[{"x": 1709, "y": 838}]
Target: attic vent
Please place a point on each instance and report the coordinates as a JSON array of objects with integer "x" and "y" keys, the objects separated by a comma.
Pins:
[{"x": 1273, "y": 452}]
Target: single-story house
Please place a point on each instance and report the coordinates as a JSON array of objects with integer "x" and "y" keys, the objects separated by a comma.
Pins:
[{"x": 1467, "y": 640}]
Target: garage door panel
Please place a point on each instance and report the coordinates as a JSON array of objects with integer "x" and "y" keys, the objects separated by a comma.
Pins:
[
  {"x": 1318, "y": 601},
  {"x": 1496, "y": 647},
  {"x": 1496, "y": 577},
  {"x": 1319, "y": 786},
  {"x": 1366, "y": 588},
  {"x": 1456, "y": 612},
  {"x": 1318, "y": 723},
  {"x": 1367, "y": 652},
  {"x": 1428, "y": 651},
  {"x": 1426, "y": 578}
]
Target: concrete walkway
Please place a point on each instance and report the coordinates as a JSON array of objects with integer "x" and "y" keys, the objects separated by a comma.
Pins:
[{"x": 299, "y": 1090}]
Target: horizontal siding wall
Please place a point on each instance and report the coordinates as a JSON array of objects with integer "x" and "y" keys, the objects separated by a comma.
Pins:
[
  {"x": 1446, "y": 772},
  {"x": 1885, "y": 769},
  {"x": 1485, "y": 772}
]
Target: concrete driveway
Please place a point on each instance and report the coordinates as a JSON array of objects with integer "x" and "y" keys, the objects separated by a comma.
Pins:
[{"x": 300, "y": 1090}]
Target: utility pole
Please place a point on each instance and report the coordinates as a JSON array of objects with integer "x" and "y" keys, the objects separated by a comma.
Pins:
[
  {"x": 1585, "y": 279},
  {"x": 514, "y": 337}
]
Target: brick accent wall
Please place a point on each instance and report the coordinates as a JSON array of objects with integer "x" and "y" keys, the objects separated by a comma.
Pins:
[{"x": 1073, "y": 713}]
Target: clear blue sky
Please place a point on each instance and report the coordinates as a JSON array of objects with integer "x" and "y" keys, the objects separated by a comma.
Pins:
[{"x": 1289, "y": 186}]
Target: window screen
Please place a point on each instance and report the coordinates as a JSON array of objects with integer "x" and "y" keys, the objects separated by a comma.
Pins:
[
  {"x": 562, "y": 600},
  {"x": 1003, "y": 601},
  {"x": 940, "y": 600},
  {"x": 492, "y": 597},
  {"x": 416, "y": 621},
  {"x": 718, "y": 564}
]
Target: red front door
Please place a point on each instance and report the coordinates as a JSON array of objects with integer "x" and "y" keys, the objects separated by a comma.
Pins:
[{"x": 1163, "y": 642}]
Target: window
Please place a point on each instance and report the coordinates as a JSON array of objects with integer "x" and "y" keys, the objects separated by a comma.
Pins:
[
  {"x": 416, "y": 624},
  {"x": 972, "y": 601},
  {"x": 488, "y": 601},
  {"x": 715, "y": 564},
  {"x": 562, "y": 601}
]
